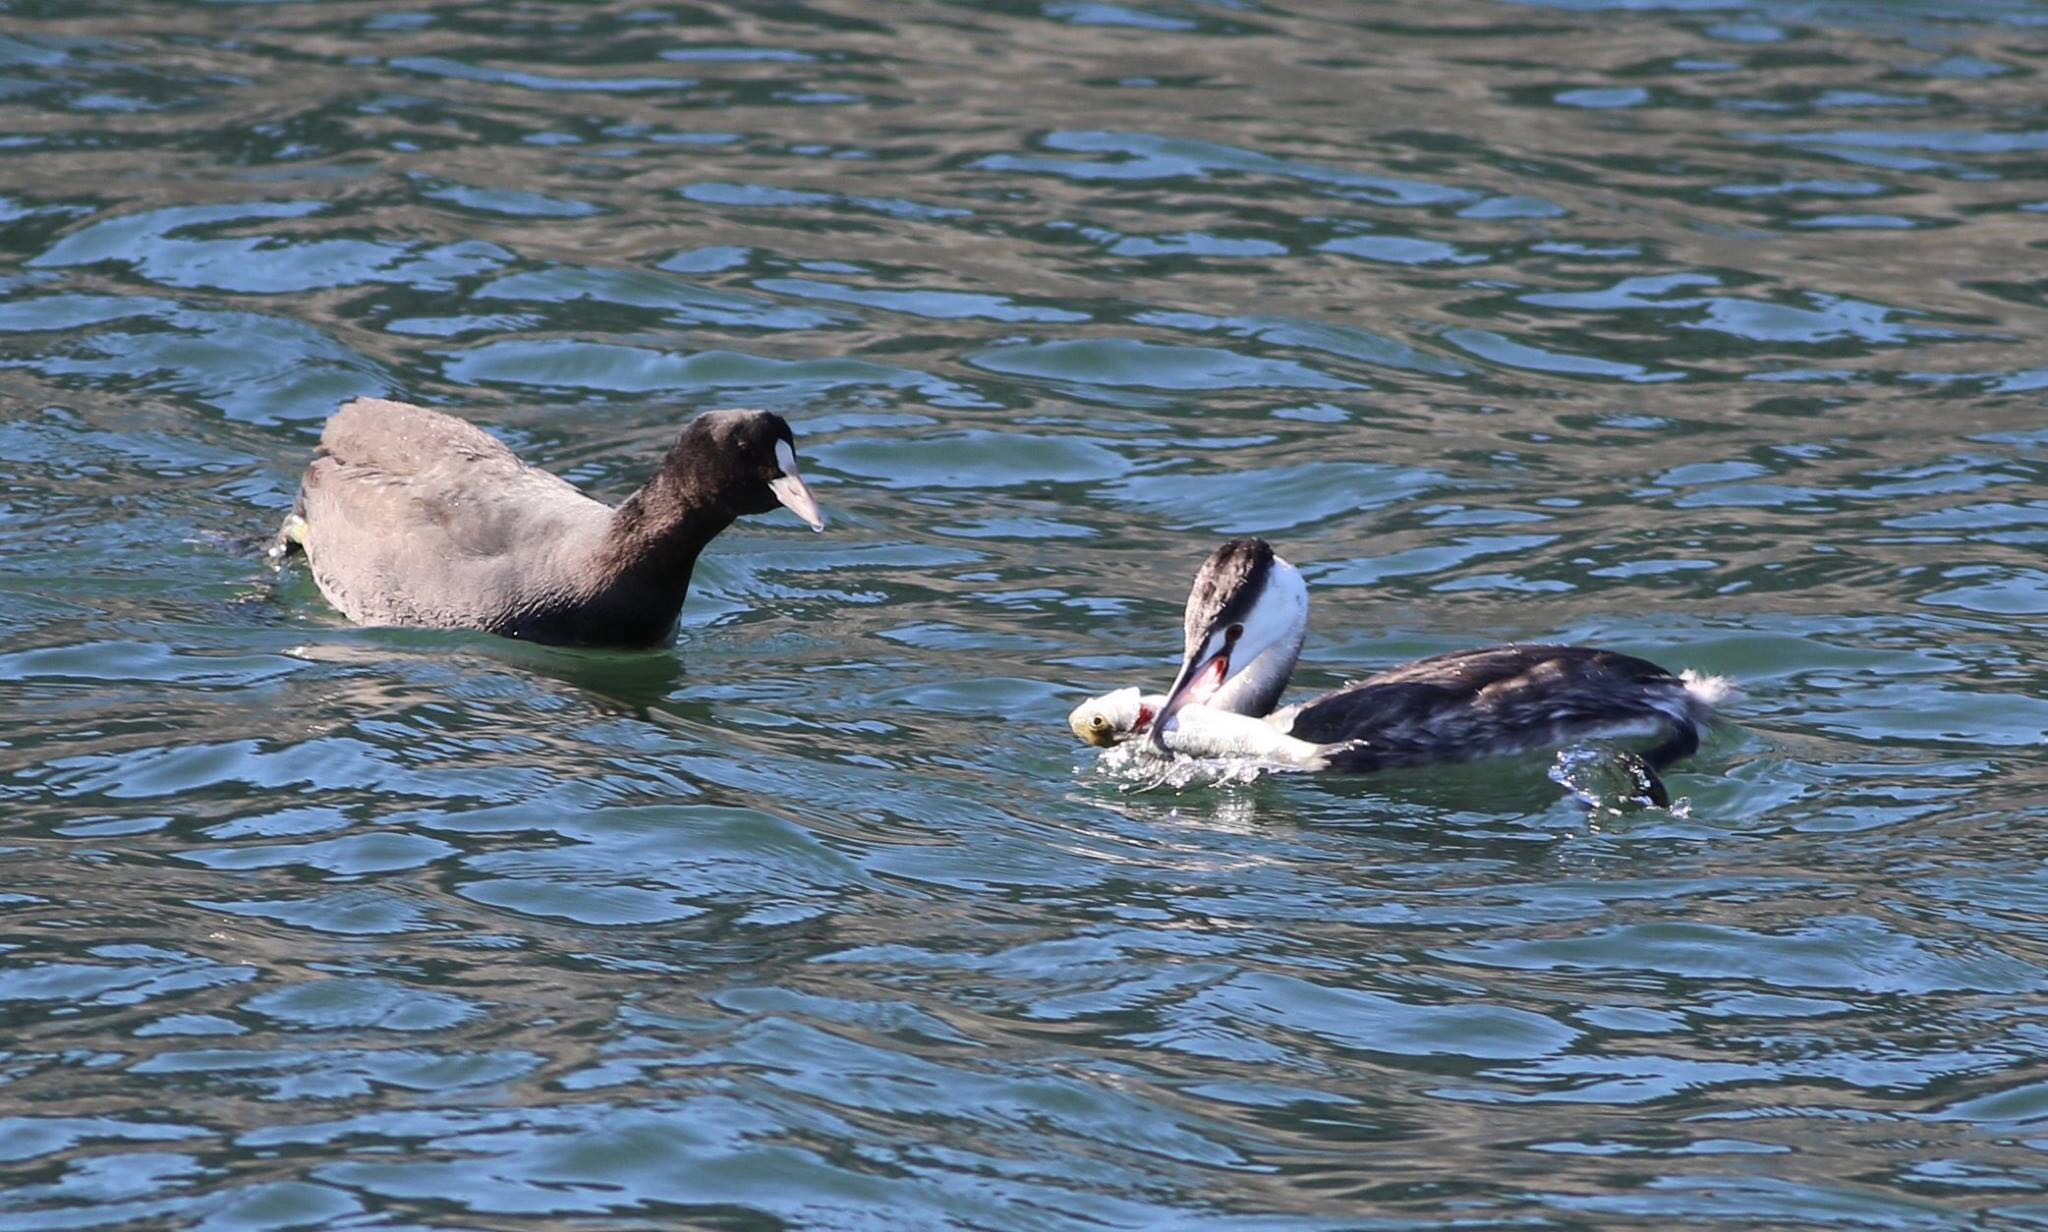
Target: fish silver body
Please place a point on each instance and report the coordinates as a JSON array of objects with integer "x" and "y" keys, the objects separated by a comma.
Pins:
[{"x": 1195, "y": 731}]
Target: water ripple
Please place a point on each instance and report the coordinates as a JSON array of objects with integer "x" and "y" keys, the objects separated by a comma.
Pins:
[{"x": 1701, "y": 330}]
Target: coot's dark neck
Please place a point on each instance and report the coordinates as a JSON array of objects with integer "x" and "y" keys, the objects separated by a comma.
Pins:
[{"x": 650, "y": 550}]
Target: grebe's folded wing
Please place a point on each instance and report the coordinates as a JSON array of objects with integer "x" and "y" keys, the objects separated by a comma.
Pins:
[{"x": 1519, "y": 694}]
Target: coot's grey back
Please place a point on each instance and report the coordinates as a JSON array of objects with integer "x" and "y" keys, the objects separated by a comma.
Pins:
[
  {"x": 402, "y": 438},
  {"x": 418, "y": 518}
]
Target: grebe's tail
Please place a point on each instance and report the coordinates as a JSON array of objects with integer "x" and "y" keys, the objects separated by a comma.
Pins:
[
  {"x": 1708, "y": 691},
  {"x": 1690, "y": 710}
]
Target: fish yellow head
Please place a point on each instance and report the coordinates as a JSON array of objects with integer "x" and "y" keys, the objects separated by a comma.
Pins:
[{"x": 1111, "y": 718}]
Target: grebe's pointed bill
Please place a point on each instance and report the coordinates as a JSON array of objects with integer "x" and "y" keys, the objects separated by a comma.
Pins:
[
  {"x": 1208, "y": 664},
  {"x": 1247, "y": 612},
  {"x": 789, "y": 488}
]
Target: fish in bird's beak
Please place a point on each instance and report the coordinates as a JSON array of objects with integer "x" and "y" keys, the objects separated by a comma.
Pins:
[
  {"x": 1111, "y": 718},
  {"x": 789, "y": 488}
]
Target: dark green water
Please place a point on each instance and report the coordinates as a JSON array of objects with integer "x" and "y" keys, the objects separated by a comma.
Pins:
[{"x": 1715, "y": 332}]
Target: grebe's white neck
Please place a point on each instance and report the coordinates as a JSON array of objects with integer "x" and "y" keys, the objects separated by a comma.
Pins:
[{"x": 1262, "y": 662}]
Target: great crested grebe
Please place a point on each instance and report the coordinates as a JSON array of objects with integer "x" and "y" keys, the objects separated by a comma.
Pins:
[{"x": 1247, "y": 614}]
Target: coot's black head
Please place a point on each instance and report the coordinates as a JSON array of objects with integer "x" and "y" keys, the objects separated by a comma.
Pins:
[{"x": 746, "y": 460}]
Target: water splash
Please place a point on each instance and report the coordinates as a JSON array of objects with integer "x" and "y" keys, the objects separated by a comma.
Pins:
[
  {"x": 1608, "y": 781},
  {"x": 1135, "y": 766}
]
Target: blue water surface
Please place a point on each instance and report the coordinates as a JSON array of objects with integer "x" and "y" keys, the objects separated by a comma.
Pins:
[{"x": 1710, "y": 330}]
